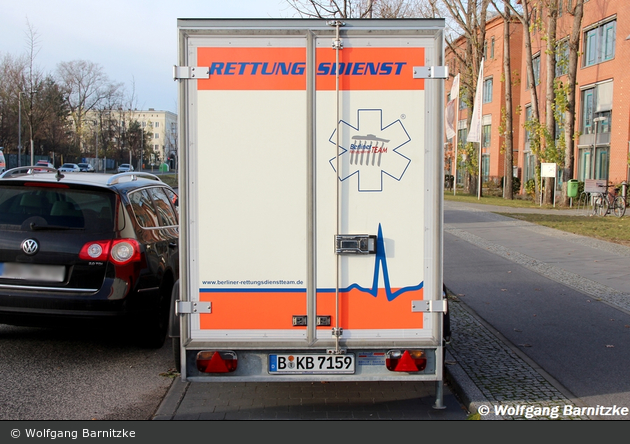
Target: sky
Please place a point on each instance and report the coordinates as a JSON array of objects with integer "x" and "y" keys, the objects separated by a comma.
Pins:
[{"x": 135, "y": 41}]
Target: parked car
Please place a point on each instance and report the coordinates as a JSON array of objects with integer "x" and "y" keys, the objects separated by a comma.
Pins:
[
  {"x": 124, "y": 168},
  {"x": 69, "y": 168},
  {"x": 86, "y": 167},
  {"x": 43, "y": 163},
  {"x": 91, "y": 249}
]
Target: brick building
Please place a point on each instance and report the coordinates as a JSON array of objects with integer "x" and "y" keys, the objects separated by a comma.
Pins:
[{"x": 602, "y": 115}]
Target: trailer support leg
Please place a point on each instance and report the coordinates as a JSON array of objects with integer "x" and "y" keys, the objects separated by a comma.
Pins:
[{"x": 439, "y": 396}]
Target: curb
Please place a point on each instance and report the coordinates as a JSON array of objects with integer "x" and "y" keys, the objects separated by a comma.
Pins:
[{"x": 168, "y": 407}]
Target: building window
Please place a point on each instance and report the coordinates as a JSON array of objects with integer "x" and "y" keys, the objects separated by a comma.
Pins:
[
  {"x": 596, "y": 109},
  {"x": 156, "y": 135},
  {"x": 485, "y": 136},
  {"x": 485, "y": 167},
  {"x": 528, "y": 117},
  {"x": 156, "y": 124},
  {"x": 536, "y": 66},
  {"x": 599, "y": 43},
  {"x": 463, "y": 100},
  {"x": 562, "y": 58},
  {"x": 536, "y": 69},
  {"x": 485, "y": 49},
  {"x": 492, "y": 48},
  {"x": 487, "y": 90}
]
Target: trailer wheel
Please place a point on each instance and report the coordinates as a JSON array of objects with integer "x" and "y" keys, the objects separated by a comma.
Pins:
[
  {"x": 173, "y": 329},
  {"x": 177, "y": 356}
]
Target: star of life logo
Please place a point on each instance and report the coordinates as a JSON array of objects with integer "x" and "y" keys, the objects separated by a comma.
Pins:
[{"x": 370, "y": 150}]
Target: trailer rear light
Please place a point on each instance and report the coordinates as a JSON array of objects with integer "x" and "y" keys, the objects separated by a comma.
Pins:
[
  {"x": 216, "y": 361},
  {"x": 405, "y": 360}
]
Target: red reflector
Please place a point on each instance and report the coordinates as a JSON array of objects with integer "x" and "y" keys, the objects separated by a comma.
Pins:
[
  {"x": 407, "y": 361},
  {"x": 216, "y": 362}
]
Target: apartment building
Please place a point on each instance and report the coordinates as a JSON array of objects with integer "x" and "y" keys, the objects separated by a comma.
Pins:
[
  {"x": 159, "y": 126},
  {"x": 602, "y": 115},
  {"x": 162, "y": 125}
]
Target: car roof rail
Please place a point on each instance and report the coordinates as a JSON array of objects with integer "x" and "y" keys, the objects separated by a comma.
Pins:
[
  {"x": 116, "y": 178},
  {"x": 27, "y": 170}
]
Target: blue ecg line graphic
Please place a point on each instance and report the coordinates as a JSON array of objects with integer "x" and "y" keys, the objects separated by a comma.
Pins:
[{"x": 380, "y": 262}]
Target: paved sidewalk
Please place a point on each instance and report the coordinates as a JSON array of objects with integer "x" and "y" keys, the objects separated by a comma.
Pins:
[{"x": 595, "y": 268}]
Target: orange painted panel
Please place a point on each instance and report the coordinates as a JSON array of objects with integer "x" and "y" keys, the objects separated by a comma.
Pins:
[
  {"x": 253, "y": 68},
  {"x": 252, "y": 310},
  {"x": 369, "y": 69},
  {"x": 360, "y": 310},
  {"x": 275, "y": 310}
]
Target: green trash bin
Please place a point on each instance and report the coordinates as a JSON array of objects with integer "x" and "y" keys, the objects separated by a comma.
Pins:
[
  {"x": 164, "y": 168},
  {"x": 572, "y": 188}
]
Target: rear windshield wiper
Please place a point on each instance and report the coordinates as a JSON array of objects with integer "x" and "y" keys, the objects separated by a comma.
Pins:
[{"x": 35, "y": 227}]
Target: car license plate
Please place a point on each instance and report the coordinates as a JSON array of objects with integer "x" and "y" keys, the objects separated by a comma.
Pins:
[
  {"x": 311, "y": 364},
  {"x": 35, "y": 272}
]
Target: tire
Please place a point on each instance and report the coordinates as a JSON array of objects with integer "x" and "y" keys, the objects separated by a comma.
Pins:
[
  {"x": 600, "y": 205},
  {"x": 154, "y": 328},
  {"x": 177, "y": 356},
  {"x": 619, "y": 206}
]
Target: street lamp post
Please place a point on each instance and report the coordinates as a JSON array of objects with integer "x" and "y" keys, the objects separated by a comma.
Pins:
[
  {"x": 20, "y": 128},
  {"x": 96, "y": 145}
]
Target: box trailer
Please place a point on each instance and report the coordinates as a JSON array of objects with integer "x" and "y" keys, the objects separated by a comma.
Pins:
[{"x": 311, "y": 181}]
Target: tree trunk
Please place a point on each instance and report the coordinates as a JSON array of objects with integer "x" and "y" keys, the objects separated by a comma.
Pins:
[
  {"x": 508, "y": 191},
  {"x": 569, "y": 115},
  {"x": 550, "y": 121}
]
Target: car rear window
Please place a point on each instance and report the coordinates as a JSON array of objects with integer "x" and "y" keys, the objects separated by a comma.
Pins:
[{"x": 32, "y": 207}]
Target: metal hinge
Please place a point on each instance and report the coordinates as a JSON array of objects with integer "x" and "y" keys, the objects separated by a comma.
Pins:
[
  {"x": 191, "y": 72},
  {"x": 429, "y": 306},
  {"x": 192, "y": 307},
  {"x": 430, "y": 72},
  {"x": 337, "y": 332}
]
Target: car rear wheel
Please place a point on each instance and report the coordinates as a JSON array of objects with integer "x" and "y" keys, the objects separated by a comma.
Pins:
[{"x": 154, "y": 327}]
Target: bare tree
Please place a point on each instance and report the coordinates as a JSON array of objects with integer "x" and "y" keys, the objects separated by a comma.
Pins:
[
  {"x": 357, "y": 8},
  {"x": 86, "y": 85}
]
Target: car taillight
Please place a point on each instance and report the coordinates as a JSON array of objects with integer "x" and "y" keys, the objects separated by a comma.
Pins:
[
  {"x": 119, "y": 251},
  {"x": 405, "y": 360},
  {"x": 216, "y": 361}
]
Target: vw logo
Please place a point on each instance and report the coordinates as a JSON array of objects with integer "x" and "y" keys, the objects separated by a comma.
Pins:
[{"x": 30, "y": 246}]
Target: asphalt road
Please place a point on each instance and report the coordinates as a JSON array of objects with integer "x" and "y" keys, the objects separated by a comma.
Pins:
[
  {"x": 73, "y": 375},
  {"x": 579, "y": 340}
]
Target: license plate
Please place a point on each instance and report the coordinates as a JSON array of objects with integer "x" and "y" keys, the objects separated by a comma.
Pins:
[
  {"x": 311, "y": 364},
  {"x": 34, "y": 272}
]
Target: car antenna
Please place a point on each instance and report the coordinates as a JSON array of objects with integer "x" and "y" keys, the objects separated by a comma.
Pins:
[{"x": 59, "y": 176}]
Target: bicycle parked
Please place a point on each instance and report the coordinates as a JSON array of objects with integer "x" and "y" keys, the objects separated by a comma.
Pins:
[{"x": 607, "y": 202}]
